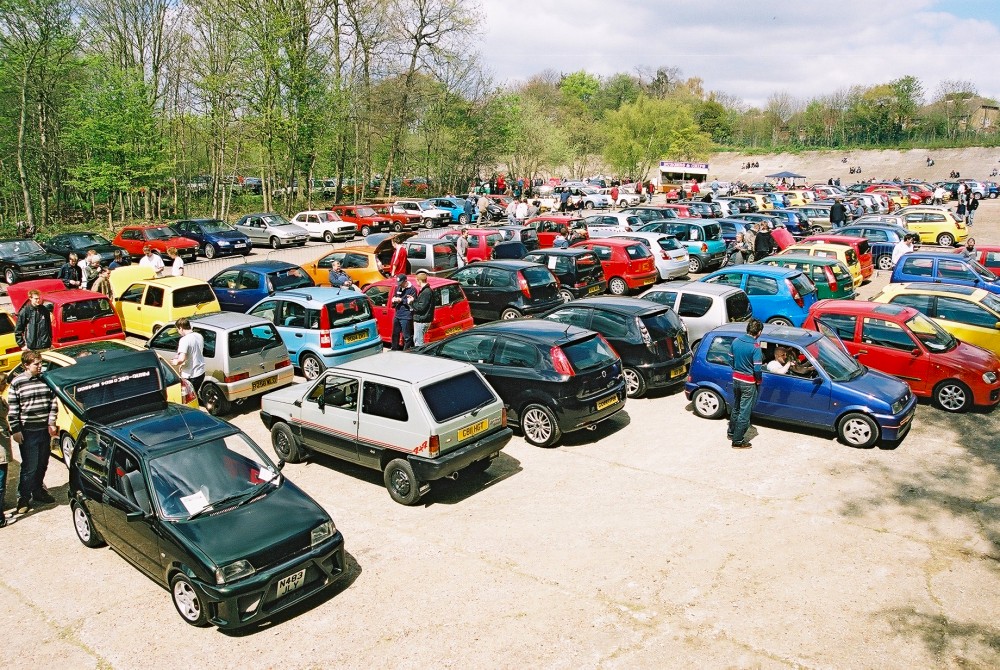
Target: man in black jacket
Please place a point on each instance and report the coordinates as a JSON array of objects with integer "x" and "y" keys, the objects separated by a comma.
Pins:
[
  {"x": 423, "y": 309},
  {"x": 402, "y": 322},
  {"x": 838, "y": 214},
  {"x": 70, "y": 273},
  {"x": 33, "y": 330}
]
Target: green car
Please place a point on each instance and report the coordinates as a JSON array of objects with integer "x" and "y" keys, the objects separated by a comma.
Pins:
[{"x": 832, "y": 278}]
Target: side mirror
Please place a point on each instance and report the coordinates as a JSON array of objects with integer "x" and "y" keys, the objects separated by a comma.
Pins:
[
  {"x": 321, "y": 401},
  {"x": 281, "y": 464},
  {"x": 915, "y": 352}
]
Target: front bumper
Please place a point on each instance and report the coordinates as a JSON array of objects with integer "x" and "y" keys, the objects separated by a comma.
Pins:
[
  {"x": 895, "y": 427},
  {"x": 430, "y": 469}
]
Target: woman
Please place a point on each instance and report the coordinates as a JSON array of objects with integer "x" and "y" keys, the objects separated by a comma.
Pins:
[{"x": 177, "y": 264}]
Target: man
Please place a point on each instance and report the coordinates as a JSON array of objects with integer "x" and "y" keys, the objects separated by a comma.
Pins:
[
  {"x": 563, "y": 200},
  {"x": 469, "y": 207},
  {"x": 31, "y": 414},
  {"x": 151, "y": 260},
  {"x": 33, "y": 330},
  {"x": 402, "y": 321},
  {"x": 838, "y": 214},
  {"x": 90, "y": 268},
  {"x": 103, "y": 283},
  {"x": 399, "y": 260},
  {"x": 859, "y": 210},
  {"x": 190, "y": 356},
  {"x": 423, "y": 309},
  {"x": 715, "y": 187},
  {"x": 534, "y": 207},
  {"x": 969, "y": 250},
  {"x": 614, "y": 196},
  {"x": 784, "y": 361},
  {"x": 462, "y": 248},
  {"x": 521, "y": 213},
  {"x": 120, "y": 260},
  {"x": 70, "y": 273},
  {"x": 511, "y": 212},
  {"x": 560, "y": 241},
  {"x": 904, "y": 246},
  {"x": 939, "y": 195},
  {"x": 746, "y": 362},
  {"x": 970, "y": 212},
  {"x": 763, "y": 242},
  {"x": 484, "y": 205},
  {"x": 339, "y": 278}
]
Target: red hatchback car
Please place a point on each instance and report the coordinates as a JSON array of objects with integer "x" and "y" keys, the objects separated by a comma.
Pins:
[
  {"x": 859, "y": 244},
  {"x": 481, "y": 240},
  {"x": 365, "y": 218},
  {"x": 160, "y": 238},
  {"x": 628, "y": 265},
  {"x": 78, "y": 315},
  {"x": 548, "y": 227},
  {"x": 901, "y": 341},
  {"x": 451, "y": 308},
  {"x": 987, "y": 255}
]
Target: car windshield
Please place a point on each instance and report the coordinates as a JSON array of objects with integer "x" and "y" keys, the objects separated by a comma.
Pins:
[
  {"x": 19, "y": 247},
  {"x": 838, "y": 364},
  {"x": 253, "y": 340},
  {"x": 589, "y": 353},
  {"x": 210, "y": 477},
  {"x": 87, "y": 310},
  {"x": 455, "y": 396},
  {"x": 159, "y": 233},
  {"x": 425, "y": 204},
  {"x": 366, "y": 211},
  {"x": 87, "y": 239},
  {"x": 933, "y": 336},
  {"x": 288, "y": 279},
  {"x": 216, "y": 226},
  {"x": 538, "y": 276},
  {"x": 347, "y": 312},
  {"x": 275, "y": 220}
]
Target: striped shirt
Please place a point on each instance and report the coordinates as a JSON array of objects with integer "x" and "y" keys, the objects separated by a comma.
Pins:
[{"x": 32, "y": 404}]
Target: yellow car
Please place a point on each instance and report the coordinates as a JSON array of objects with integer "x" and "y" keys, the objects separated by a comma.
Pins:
[
  {"x": 10, "y": 353},
  {"x": 795, "y": 198},
  {"x": 363, "y": 264},
  {"x": 897, "y": 195},
  {"x": 761, "y": 201},
  {"x": 970, "y": 314},
  {"x": 935, "y": 225},
  {"x": 178, "y": 390},
  {"x": 840, "y": 252},
  {"x": 805, "y": 195},
  {"x": 145, "y": 303}
]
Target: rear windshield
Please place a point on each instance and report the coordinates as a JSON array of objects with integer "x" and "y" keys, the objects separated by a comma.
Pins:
[
  {"x": 841, "y": 273},
  {"x": 86, "y": 310},
  {"x": 738, "y": 306},
  {"x": 662, "y": 324},
  {"x": 668, "y": 243},
  {"x": 455, "y": 396},
  {"x": 589, "y": 354},
  {"x": 448, "y": 295},
  {"x": 852, "y": 257},
  {"x": 288, "y": 279},
  {"x": 193, "y": 295},
  {"x": 587, "y": 260},
  {"x": 635, "y": 251},
  {"x": 253, "y": 340},
  {"x": 864, "y": 247},
  {"x": 347, "y": 312},
  {"x": 538, "y": 276},
  {"x": 802, "y": 284},
  {"x": 713, "y": 231},
  {"x": 493, "y": 239},
  {"x": 6, "y": 326},
  {"x": 528, "y": 234}
]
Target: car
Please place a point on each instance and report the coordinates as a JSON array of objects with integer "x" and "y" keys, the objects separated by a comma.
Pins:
[
  {"x": 706, "y": 210},
  {"x": 649, "y": 213},
  {"x": 935, "y": 225},
  {"x": 451, "y": 308},
  {"x": 987, "y": 255},
  {"x": 436, "y": 257},
  {"x": 887, "y": 219},
  {"x": 401, "y": 219},
  {"x": 745, "y": 205},
  {"x": 240, "y": 286},
  {"x": 584, "y": 197},
  {"x": 455, "y": 207},
  {"x": 415, "y": 419},
  {"x": 970, "y": 314},
  {"x": 625, "y": 198},
  {"x": 189, "y": 499},
  {"x": 732, "y": 227},
  {"x": 323, "y": 224},
  {"x": 862, "y": 250},
  {"x": 365, "y": 218},
  {"x": 578, "y": 270},
  {"x": 841, "y": 252},
  {"x": 553, "y": 378},
  {"x": 432, "y": 216},
  {"x": 272, "y": 230},
  {"x": 779, "y": 296},
  {"x": 548, "y": 226},
  {"x": 702, "y": 307},
  {"x": 64, "y": 244},
  {"x": 648, "y": 337},
  {"x": 669, "y": 256},
  {"x": 22, "y": 259},
  {"x": 10, "y": 351},
  {"x": 214, "y": 237},
  {"x": 862, "y": 406},
  {"x": 78, "y": 315},
  {"x": 523, "y": 234},
  {"x": 145, "y": 303},
  {"x": 481, "y": 241},
  {"x": 943, "y": 267},
  {"x": 902, "y": 342},
  {"x": 882, "y": 239},
  {"x": 795, "y": 222},
  {"x": 134, "y": 239},
  {"x": 921, "y": 191},
  {"x": 508, "y": 289},
  {"x": 364, "y": 264},
  {"x": 703, "y": 239},
  {"x": 628, "y": 265},
  {"x": 898, "y": 196},
  {"x": 321, "y": 326},
  {"x": 832, "y": 278},
  {"x": 762, "y": 202},
  {"x": 606, "y": 225}
]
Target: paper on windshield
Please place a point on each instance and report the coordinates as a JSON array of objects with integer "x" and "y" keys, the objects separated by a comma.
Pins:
[{"x": 195, "y": 502}]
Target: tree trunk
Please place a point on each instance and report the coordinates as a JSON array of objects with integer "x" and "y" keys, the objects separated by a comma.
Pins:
[{"x": 22, "y": 173}]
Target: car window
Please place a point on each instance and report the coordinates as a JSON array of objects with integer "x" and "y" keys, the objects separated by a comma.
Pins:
[
  {"x": 248, "y": 340},
  {"x": 992, "y": 259},
  {"x": 416, "y": 250},
  {"x": 694, "y": 305},
  {"x": 266, "y": 310},
  {"x": 384, "y": 401},
  {"x": 127, "y": 479},
  {"x": 921, "y": 303},
  {"x": 667, "y": 298},
  {"x": 516, "y": 354},
  {"x": 948, "y": 269},
  {"x": 609, "y": 325},
  {"x": 228, "y": 279},
  {"x": 448, "y": 294},
  {"x": 727, "y": 278},
  {"x": 496, "y": 278},
  {"x": 472, "y": 348},
  {"x": 379, "y": 295},
  {"x": 589, "y": 353},
  {"x": 94, "y": 458},
  {"x": 293, "y": 315},
  {"x": 603, "y": 253},
  {"x": 455, "y": 396},
  {"x": 189, "y": 296},
  {"x": 154, "y": 297},
  {"x": 720, "y": 351},
  {"x": 762, "y": 285},
  {"x": 842, "y": 324},
  {"x": 887, "y": 334},
  {"x": 249, "y": 281},
  {"x": 961, "y": 311},
  {"x": 574, "y": 316},
  {"x": 468, "y": 276},
  {"x": 536, "y": 276},
  {"x": 919, "y": 267},
  {"x": 336, "y": 391},
  {"x": 637, "y": 251}
]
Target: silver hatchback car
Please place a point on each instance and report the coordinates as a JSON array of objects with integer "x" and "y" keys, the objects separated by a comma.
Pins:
[{"x": 273, "y": 230}]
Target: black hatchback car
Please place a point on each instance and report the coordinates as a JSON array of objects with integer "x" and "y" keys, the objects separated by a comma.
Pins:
[
  {"x": 80, "y": 243},
  {"x": 578, "y": 271},
  {"x": 649, "y": 338},
  {"x": 188, "y": 499},
  {"x": 507, "y": 289},
  {"x": 26, "y": 259},
  {"x": 553, "y": 378}
]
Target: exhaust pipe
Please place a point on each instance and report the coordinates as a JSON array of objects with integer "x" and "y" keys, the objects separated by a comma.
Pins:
[{"x": 453, "y": 476}]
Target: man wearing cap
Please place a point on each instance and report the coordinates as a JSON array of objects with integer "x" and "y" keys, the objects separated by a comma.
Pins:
[
  {"x": 402, "y": 321},
  {"x": 838, "y": 214}
]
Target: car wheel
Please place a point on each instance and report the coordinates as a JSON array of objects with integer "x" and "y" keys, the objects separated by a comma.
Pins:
[
  {"x": 311, "y": 366},
  {"x": 479, "y": 468},
  {"x": 993, "y": 195},
  {"x": 429, "y": 224},
  {"x": 817, "y": 230},
  {"x": 539, "y": 426},
  {"x": 952, "y": 396},
  {"x": 10, "y": 276},
  {"x": 401, "y": 482},
  {"x": 67, "y": 446},
  {"x": 565, "y": 294},
  {"x": 187, "y": 601},
  {"x": 588, "y": 205},
  {"x": 366, "y": 231},
  {"x": 248, "y": 250},
  {"x": 694, "y": 346},
  {"x": 328, "y": 237},
  {"x": 884, "y": 262},
  {"x": 635, "y": 383},
  {"x": 708, "y": 404},
  {"x": 946, "y": 240},
  {"x": 695, "y": 265},
  {"x": 275, "y": 243},
  {"x": 617, "y": 286},
  {"x": 510, "y": 313},
  {"x": 858, "y": 430},
  {"x": 284, "y": 443},
  {"x": 397, "y": 227},
  {"x": 210, "y": 251},
  {"x": 85, "y": 530},
  {"x": 977, "y": 196},
  {"x": 463, "y": 219},
  {"x": 779, "y": 321},
  {"x": 214, "y": 400}
]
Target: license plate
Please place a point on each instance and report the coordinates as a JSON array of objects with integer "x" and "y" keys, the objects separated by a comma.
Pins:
[
  {"x": 678, "y": 372},
  {"x": 291, "y": 582},
  {"x": 474, "y": 429},
  {"x": 648, "y": 281},
  {"x": 355, "y": 337},
  {"x": 594, "y": 289},
  {"x": 453, "y": 330},
  {"x": 239, "y": 245},
  {"x": 607, "y": 402},
  {"x": 261, "y": 383}
]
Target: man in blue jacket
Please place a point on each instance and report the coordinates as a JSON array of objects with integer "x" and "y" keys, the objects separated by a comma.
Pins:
[{"x": 747, "y": 361}]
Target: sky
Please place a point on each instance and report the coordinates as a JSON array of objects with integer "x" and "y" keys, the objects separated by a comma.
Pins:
[{"x": 750, "y": 49}]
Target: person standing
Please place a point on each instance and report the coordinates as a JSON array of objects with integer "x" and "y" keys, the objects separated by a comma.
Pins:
[
  {"x": 423, "y": 309},
  {"x": 904, "y": 246},
  {"x": 969, "y": 250},
  {"x": 469, "y": 208},
  {"x": 763, "y": 242},
  {"x": 746, "y": 362},
  {"x": 33, "y": 330},
  {"x": 971, "y": 210},
  {"x": 120, "y": 260},
  {"x": 90, "y": 269},
  {"x": 521, "y": 212},
  {"x": 177, "y": 263},
  {"x": 614, "y": 196},
  {"x": 962, "y": 208},
  {"x": 31, "y": 415},
  {"x": 462, "y": 248},
  {"x": 397, "y": 266},
  {"x": 190, "y": 356},
  {"x": 151, "y": 260},
  {"x": 70, "y": 273},
  {"x": 563, "y": 199},
  {"x": 103, "y": 283},
  {"x": 939, "y": 195},
  {"x": 402, "y": 320},
  {"x": 838, "y": 214},
  {"x": 484, "y": 207}
]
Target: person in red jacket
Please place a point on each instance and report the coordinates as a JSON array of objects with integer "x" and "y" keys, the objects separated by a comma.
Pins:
[{"x": 398, "y": 264}]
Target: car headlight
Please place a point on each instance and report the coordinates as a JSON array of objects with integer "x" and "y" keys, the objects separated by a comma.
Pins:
[
  {"x": 223, "y": 243},
  {"x": 233, "y": 571},
  {"x": 990, "y": 377},
  {"x": 322, "y": 533},
  {"x": 897, "y": 406}
]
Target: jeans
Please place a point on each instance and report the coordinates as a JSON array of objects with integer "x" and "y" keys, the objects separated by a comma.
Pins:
[
  {"x": 744, "y": 398},
  {"x": 970, "y": 216},
  {"x": 402, "y": 327},
  {"x": 34, "y": 461},
  {"x": 419, "y": 330}
]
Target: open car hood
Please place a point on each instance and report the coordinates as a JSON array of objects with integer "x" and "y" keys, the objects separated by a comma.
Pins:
[
  {"x": 18, "y": 293},
  {"x": 125, "y": 276}
]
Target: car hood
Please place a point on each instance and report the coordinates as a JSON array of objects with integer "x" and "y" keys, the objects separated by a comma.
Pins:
[
  {"x": 878, "y": 385},
  {"x": 226, "y": 235},
  {"x": 291, "y": 230},
  {"x": 971, "y": 359},
  {"x": 35, "y": 257},
  {"x": 285, "y": 396}
]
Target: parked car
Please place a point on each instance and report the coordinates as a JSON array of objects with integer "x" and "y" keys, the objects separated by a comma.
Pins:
[
  {"x": 606, "y": 225},
  {"x": 706, "y": 210},
  {"x": 10, "y": 351},
  {"x": 189, "y": 499},
  {"x": 584, "y": 197},
  {"x": 987, "y": 255},
  {"x": 64, "y": 244},
  {"x": 244, "y": 357},
  {"x": 436, "y": 257},
  {"x": 779, "y": 296},
  {"x": 214, "y": 237},
  {"x": 26, "y": 259},
  {"x": 134, "y": 239},
  {"x": 648, "y": 337},
  {"x": 144, "y": 303},
  {"x": 841, "y": 252},
  {"x": 669, "y": 256},
  {"x": 401, "y": 219},
  {"x": 627, "y": 265},
  {"x": 731, "y": 227},
  {"x": 508, "y": 289},
  {"x": 703, "y": 239},
  {"x": 364, "y": 264},
  {"x": 481, "y": 241},
  {"x": 702, "y": 307},
  {"x": 431, "y": 215},
  {"x": 902, "y": 342},
  {"x": 578, "y": 270},
  {"x": 794, "y": 222},
  {"x": 414, "y": 418},
  {"x": 882, "y": 239},
  {"x": 321, "y": 327},
  {"x": 451, "y": 308},
  {"x": 553, "y": 378},
  {"x": 862, "y": 250},
  {"x": 862, "y": 406},
  {"x": 78, "y": 315},
  {"x": 241, "y": 286},
  {"x": 523, "y": 234},
  {"x": 326, "y": 225},
  {"x": 456, "y": 207},
  {"x": 832, "y": 278},
  {"x": 649, "y": 213},
  {"x": 935, "y": 225},
  {"x": 549, "y": 226},
  {"x": 272, "y": 230},
  {"x": 943, "y": 267}
]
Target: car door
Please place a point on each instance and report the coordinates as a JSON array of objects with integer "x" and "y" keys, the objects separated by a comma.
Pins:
[
  {"x": 891, "y": 348},
  {"x": 790, "y": 397},
  {"x": 128, "y": 493},
  {"x": 225, "y": 286},
  {"x": 153, "y": 309},
  {"x": 129, "y": 306},
  {"x": 968, "y": 322},
  {"x": 329, "y": 415},
  {"x": 956, "y": 272},
  {"x": 91, "y": 461},
  {"x": 470, "y": 278},
  {"x": 379, "y": 296},
  {"x": 917, "y": 223},
  {"x": 389, "y": 416},
  {"x": 496, "y": 289}
]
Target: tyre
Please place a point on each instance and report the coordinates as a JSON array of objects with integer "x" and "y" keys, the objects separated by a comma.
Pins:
[
  {"x": 10, "y": 276},
  {"x": 952, "y": 396},
  {"x": 635, "y": 383},
  {"x": 275, "y": 243},
  {"x": 588, "y": 205},
  {"x": 817, "y": 230},
  {"x": 617, "y": 286},
  {"x": 401, "y": 482},
  {"x": 429, "y": 224},
  {"x": 311, "y": 366},
  {"x": 214, "y": 400},
  {"x": 858, "y": 430},
  {"x": 187, "y": 601},
  {"x": 779, "y": 321},
  {"x": 211, "y": 251},
  {"x": 695, "y": 265},
  {"x": 993, "y": 195},
  {"x": 463, "y": 219},
  {"x": 884, "y": 262},
  {"x": 366, "y": 230},
  {"x": 539, "y": 426},
  {"x": 946, "y": 240},
  {"x": 510, "y": 313},
  {"x": 708, "y": 404},
  {"x": 977, "y": 196},
  {"x": 67, "y": 446},
  {"x": 397, "y": 227},
  {"x": 248, "y": 250},
  {"x": 565, "y": 294},
  {"x": 284, "y": 443},
  {"x": 85, "y": 530},
  {"x": 328, "y": 236}
]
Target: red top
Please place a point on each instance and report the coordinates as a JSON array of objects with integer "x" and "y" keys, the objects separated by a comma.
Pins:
[{"x": 398, "y": 264}]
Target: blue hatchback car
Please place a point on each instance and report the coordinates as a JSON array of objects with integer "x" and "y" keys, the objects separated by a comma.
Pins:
[
  {"x": 457, "y": 208},
  {"x": 321, "y": 326},
  {"x": 862, "y": 406},
  {"x": 944, "y": 267},
  {"x": 240, "y": 286},
  {"x": 781, "y": 296},
  {"x": 214, "y": 237}
]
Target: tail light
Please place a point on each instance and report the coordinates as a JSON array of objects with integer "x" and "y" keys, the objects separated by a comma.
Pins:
[
  {"x": 434, "y": 445},
  {"x": 282, "y": 364},
  {"x": 628, "y": 229},
  {"x": 560, "y": 363},
  {"x": 830, "y": 278},
  {"x": 795, "y": 293},
  {"x": 12, "y": 350},
  {"x": 503, "y": 417},
  {"x": 187, "y": 392},
  {"x": 704, "y": 248},
  {"x": 643, "y": 332},
  {"x": 325, "y": 340},
  {"x": 663, "y": 255},
  {"x": 235, "y": 378},
  {"x": 523, "y": 285}
]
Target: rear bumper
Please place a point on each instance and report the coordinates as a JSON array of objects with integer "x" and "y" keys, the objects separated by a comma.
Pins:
[
  {"x": 641, "y": 281},
  {"x": 590, "y": 289},
  {"x": 666, "y": 374},
  {"x": 429, "y": 469},
  {"x": 256, "y": 385},
  {"x": 574, "y": 414}
]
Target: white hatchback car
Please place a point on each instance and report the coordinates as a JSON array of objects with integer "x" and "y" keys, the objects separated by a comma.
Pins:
[
  {"x": 611, "y": 223},
  {"x": 325, "y": 225},
  {"x": 669, "y": 255},
  {"x": 702, "y": 307}
]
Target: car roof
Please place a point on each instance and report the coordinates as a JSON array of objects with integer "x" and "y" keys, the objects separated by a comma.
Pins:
[
  {"x": 323, "y": 294},
  {"x": 613, "y": 241},
  {"x": 227, "y": 320},
  {"x": 404, "y": 366},
  {"x": 771, "y": 270},
  {"x": 432, "y": 281},
  {"x": 541, "y": 331},
  {"x": 804, "y": 258},
  {"x": 828, "y": 246},
  {"x": 561, "y": 251},
  {"x": 619, "y": 304},
  {"x": 864, "y": 307},
  {"x": 926, "y": 287},
  {"x": 700, "y": 287},
  {"x": 788, "y": 334},
  {"x": 171, "y": 429},
  {"x": 199, "y": 220},
  {"x": 506, "y": 264},
  {"x": 111, "y": 348},
  {"x": 947, "y": 253},
  {"x": 264, "y": 266}
]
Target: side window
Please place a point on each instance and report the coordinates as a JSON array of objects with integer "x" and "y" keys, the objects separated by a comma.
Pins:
[
  {"x": 955, "y": 270},
  {"x": 379, "y": 295},
  {"x": 885, "y": 334},
  {"x": 727, "y": 278},
  {"x": 266, "y": 310},
  {"x": 495, "y": 277},
  {"x": 470, "y": 348},
  {"x": 473, "y": 242},
  {"x": 127, "y": 479},
  {"x": 354, "y": 261},
  {"x": 517, "y": 354},
  {"x": 694, "y": 305},
  {"x": 154, "y": 297},
  {"x": 720, "y": 351},
  {"x": 468, "y": 276},
  {"x": 92, "y": 454},
  {"x": 337, "y": 391},
  {"x": 919, "y": 267},
  {"x": 384, "y": 401},
  {"x": 327, "y": 261},
  {"x": 761, "y": 285},
  {"x": 210, "y": 339},
  {"x": 921, "y": 303},
  {"x": 603, "y": 253},
  {"x": 842, "y": 324},
  {"x": 227, "y": 279},
  {"x": 133, "y": 293},
  {"x": 292, "y": 315},
  {"x": 964, "y": 312},
  {"x": 992, "y": 259},
  {"x": 130, "y": 235},
  {"x": 249, "y": 281},
  {"x": 166, "y": 339},
  {"x": 417, "y": 251},
  {"x": 574, "y": 316},
  {"x": 608, "y": 324},
  {"x": 876, "y": 235}
]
